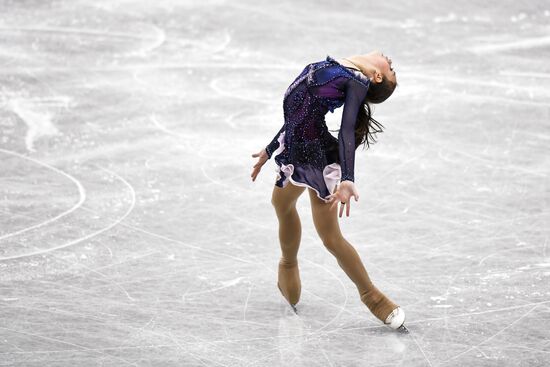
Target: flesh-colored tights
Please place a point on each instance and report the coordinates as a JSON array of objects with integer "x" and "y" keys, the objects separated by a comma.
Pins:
[{"x": 326, "y": 224}]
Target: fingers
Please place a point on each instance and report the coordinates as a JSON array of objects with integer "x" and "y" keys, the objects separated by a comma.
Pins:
[
  {"x": 255, "y": 173},
  {"x": 342, "y": 205},
  {"x": 257, "y": 167},
  {"x": 335, "y": 198},
  {"x": 259, "y": 163},
  {"x": 355, "y": 193}
]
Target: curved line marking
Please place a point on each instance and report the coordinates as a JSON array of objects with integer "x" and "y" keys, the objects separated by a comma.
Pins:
[
  {"x": 215, "y": 85},
  {"x": 93, "y": 234},
  {"x": 163, "y": 128},
  {"x": 158, "y": 41},
  {"x": 81, "y": 193}
]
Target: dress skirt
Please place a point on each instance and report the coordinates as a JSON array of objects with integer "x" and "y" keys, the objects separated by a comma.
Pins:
[{"x": 323, "y": 182}]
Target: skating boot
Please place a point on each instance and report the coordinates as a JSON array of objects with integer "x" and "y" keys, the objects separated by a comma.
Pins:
[
  {"x": 396, "y": 320},
  {"x": 291, "y": 304}
]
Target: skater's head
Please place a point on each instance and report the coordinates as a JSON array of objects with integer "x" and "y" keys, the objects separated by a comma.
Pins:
[
  {"x": 383, "y": 79},
  {"x": 378, "y": 68}
]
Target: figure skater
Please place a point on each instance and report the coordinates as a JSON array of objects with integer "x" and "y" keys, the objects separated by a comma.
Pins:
[{"x": 307, "y": 155}]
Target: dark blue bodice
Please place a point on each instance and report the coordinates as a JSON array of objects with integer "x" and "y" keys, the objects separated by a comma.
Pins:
[{"x": 321, "y": 87}]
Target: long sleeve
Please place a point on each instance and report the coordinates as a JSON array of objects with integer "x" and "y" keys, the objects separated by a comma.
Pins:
[
  {"x": 271, "y": 147},
  {"x": 355, "y": 96}
]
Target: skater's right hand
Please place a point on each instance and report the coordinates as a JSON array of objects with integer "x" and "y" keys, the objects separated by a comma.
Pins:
[
  {"x": 262, "y": 158},
  {"x": 344, "y": 191}
]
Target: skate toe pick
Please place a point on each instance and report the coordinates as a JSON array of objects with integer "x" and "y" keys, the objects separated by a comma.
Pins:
[{"x": 396, "y": 319}]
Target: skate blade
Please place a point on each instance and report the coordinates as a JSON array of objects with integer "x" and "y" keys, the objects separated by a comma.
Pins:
[
  {"x": 403, "y": 329},
  {"x": 291, "y": 305}
]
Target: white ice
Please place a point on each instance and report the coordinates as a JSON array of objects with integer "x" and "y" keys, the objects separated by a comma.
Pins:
[{"x": 132, "y": 234}]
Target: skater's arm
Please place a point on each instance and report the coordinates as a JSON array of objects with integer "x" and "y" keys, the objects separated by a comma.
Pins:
[
  {"x": 355, "y": 95},
  {"x": 271, "y": 147}
]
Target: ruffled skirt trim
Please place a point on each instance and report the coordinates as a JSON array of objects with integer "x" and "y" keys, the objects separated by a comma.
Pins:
[{"x": 301, "y": 176}]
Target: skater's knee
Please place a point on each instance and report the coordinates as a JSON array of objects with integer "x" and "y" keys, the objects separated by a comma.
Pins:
[
  {"x": 333, "y": 242},
  {"x": 283, "y": 207},
  {"x": 330, "y": 235}
]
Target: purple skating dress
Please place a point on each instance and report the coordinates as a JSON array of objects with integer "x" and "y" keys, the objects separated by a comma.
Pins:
[{"x": 304, "y": 150}]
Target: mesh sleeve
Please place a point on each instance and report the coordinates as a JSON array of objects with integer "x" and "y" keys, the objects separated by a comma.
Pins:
[
  {"x": 271, "y": 147},
  {"x": 355, "y": 96}
]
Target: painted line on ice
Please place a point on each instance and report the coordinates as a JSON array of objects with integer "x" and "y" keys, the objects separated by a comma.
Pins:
[
  {"x": 91, "y": 235},
  {"x": 81, "y": 193}
]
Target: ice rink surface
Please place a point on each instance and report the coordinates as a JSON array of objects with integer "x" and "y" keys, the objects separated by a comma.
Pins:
[{"x": 131, "y": 233}]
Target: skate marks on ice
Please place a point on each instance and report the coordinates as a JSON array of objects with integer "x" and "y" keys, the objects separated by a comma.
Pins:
[
  {"x": 139, "y": 66},
  {"x": 37, "y": 118},
  {"x": 145, "y": 39}
]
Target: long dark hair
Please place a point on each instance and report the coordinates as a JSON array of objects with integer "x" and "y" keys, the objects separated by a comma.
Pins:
[{"x": 366, "y": 126}]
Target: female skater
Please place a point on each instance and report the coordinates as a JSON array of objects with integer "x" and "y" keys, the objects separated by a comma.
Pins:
[{"x": 307, "y": 155}]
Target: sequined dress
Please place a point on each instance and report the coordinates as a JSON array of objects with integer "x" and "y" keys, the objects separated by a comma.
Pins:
[{"x": 305, "y": 152}]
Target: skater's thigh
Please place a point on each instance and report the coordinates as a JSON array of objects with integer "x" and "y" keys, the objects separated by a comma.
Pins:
[
  {"x": 324, "y": 218},
  {"x": 284, "y": 198}
]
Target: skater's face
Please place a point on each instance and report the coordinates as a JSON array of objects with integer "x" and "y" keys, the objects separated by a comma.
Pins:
[{"x": 383, "y": 66}]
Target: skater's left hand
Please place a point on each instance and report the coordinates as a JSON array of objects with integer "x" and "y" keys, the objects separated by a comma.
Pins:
[
  {"x": 262, "y": 158},
  {"x": 344, "y": 191}
]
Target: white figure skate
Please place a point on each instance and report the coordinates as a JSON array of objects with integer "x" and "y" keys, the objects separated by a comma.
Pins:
[{"x": 396, "y": 320}]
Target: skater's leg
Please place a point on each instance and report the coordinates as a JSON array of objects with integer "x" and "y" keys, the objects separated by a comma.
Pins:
[
  {"x": 290, "y": 231},
  {"x": 326, "y": 224}
]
